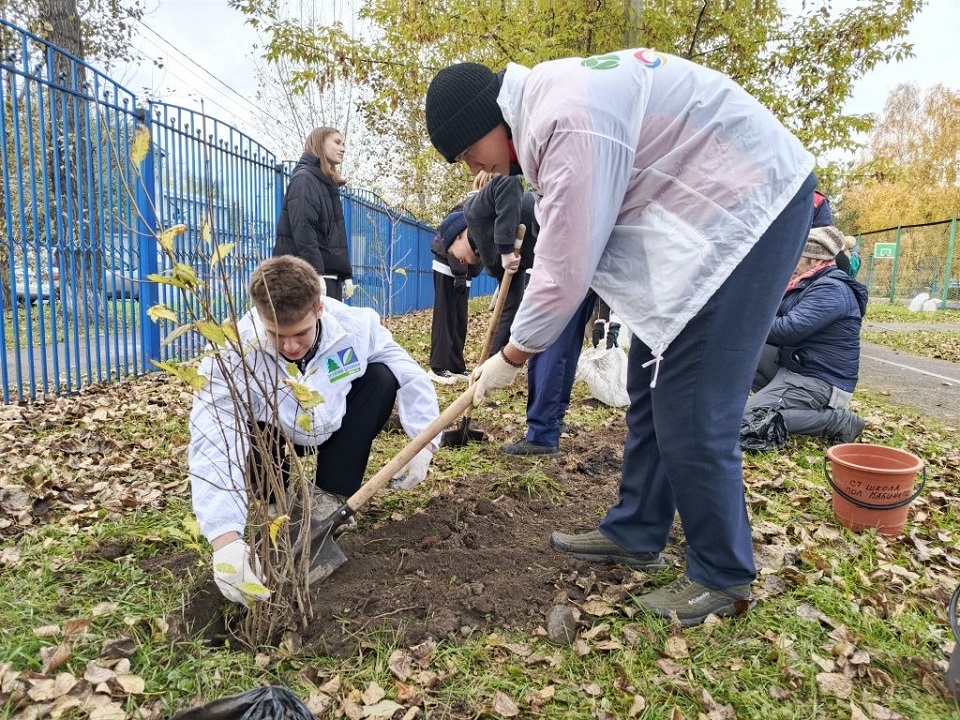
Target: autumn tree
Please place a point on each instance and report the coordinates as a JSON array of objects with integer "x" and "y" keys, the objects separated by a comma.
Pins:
[
  {"x": 803, "y": 66},
  {"x": 102, "y": 30},
  {"x": 106, "y": 27},
  {"x": 908, "y": 173}
]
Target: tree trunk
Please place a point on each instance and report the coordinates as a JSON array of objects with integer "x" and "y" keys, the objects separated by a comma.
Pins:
[
  {"x": 631, "y": 23},
  {"x": 76, "y": 228}
]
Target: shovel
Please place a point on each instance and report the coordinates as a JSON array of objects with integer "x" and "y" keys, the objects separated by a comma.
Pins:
[
  {"x": 325, "y": 555},
  {"x": 463, "y": 434},
  {"x": 952, "y": 679}
]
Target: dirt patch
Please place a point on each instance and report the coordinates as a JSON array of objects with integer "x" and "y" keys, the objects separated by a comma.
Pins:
[{"x": 472, "y": 561}]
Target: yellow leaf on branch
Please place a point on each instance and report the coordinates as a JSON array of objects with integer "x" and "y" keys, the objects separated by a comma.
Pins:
[
  {"x": 275, "y": 526},
  {"x": 211, "y": 331},
  {"x": 141, "y": 145},
  {"x": 161, "y": 312},
  {"x": 305, "y": 396},
  {"x": 168, "y": 237},
  {"x": 220, "y": 252},
  {"x": 186, "y": 373}
]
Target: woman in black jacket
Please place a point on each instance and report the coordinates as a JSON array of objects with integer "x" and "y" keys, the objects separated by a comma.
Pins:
[{"x": 311, "y": 218}]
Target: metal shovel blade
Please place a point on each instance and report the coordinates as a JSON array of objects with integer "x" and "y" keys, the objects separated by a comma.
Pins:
[
  {"x": 327, "y": 513},
  {"x": 462, "y": 435},
  {"x": 952, "y": 679}
]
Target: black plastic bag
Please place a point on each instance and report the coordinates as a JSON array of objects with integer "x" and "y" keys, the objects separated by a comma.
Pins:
[
  {"x": 763, "y": 429},
  {"x": 273, "y": 702}
]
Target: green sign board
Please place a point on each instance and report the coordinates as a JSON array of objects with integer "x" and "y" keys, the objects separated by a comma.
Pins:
[{"x": 885, "y": 250}]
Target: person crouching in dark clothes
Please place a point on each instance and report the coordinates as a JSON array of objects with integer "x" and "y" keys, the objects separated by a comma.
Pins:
[
  {"x": 493, "y": 211},
  {"x": 454, "y": 263},
  {"x": 810, "y": 364}
]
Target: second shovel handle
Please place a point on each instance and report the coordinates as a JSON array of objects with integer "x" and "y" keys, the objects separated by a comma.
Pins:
[{"x": 501, "y": 298}]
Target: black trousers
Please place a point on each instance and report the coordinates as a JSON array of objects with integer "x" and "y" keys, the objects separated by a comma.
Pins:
[
  {"x": 334, "y": 288},
  {"x": 342, "y": 459},
  {"x": 448, "y": 331}
]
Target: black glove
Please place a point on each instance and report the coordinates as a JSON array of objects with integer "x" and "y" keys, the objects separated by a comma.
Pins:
[
  {"x": 460, "y": 286},
  {"x": 613, "y": 331},
  {"x": 597, "y": 332}
]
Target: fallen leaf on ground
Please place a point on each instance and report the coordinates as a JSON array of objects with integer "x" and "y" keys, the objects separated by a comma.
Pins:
[
  {"x": 835, "y": 685},
  {"x": 504, "y": 706}
]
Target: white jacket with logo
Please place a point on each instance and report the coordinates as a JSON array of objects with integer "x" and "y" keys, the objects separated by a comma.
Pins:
[
  {"x": 654, "y": 177},
  {"x": 351, "y": 339}
]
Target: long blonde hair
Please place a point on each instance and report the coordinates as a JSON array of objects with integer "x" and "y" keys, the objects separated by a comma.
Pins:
[{"x": 314, "y": 145}]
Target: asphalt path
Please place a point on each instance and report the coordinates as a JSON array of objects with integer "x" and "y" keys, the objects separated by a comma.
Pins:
[{"x": 927, "y": 386}]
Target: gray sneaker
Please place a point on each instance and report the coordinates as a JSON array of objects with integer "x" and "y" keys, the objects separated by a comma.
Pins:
[
  {"x": 523, "y": 447},
  {"x": 689, "y": 603},
  {"x": 594, "y": 547}
]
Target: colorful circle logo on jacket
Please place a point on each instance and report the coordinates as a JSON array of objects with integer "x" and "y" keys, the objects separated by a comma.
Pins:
[
  {"x": 601, "y": 62},
  {"x": 649, "y": 58}
]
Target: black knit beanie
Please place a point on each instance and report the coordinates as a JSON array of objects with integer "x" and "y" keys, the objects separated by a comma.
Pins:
[
  {"x": 462, "y": 107},
  {"x": 452, "y": 225}
]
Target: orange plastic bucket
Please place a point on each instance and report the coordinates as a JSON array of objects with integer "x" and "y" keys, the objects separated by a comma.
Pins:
[{"x": 873, "y": 485}]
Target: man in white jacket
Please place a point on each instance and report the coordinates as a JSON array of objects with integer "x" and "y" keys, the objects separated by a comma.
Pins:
[
  {"x": 684, "y": 204},
  {"x": 313, "y": 372}
]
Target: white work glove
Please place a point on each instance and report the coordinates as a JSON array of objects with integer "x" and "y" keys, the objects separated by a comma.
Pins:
[
  {"x": 494, "y": 374},
  {"x": 510, "y": 262},
  {"x": 414, "y": 472},
  {"x": 234, "y": 576},
  {"x": 348, "y": 289}
]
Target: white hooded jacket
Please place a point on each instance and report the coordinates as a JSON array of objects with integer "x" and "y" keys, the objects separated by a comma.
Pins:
[
  {"x": 654, "y": 178},
  {"x": 351, "y": 338}
]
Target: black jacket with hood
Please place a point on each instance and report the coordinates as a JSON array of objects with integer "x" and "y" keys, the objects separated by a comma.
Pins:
[
  {"x": 311, "y": 220},
  {"x": 493, "y": 214}
]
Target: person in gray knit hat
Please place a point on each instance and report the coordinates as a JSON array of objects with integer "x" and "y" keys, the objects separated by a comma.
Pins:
[
  {"x": 823, "y": 243},
  {"x": 632, "y": 156},
  {"x": 810, "y": 364}
]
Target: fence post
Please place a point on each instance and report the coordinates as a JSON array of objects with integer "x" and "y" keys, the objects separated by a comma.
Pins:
[
  {"x": 948, "y": 271},
  {"x": 348, "y": 231},
  {"x": 147, "y": 249},
  {"x": 390, "y": 262},
  {"x": 896, "y": 264},
  {"x": 278, "y": 191}
]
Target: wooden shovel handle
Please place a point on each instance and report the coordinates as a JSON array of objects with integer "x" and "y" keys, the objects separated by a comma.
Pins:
[
  {"x": 446, "y": 418},
  {"x": 498, "y": 308},
  {"x": 501, "y": 298},
  {"x": 388, "y": 471}
]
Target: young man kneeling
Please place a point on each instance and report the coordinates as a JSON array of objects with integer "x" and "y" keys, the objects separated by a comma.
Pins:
[{"x": 312, "y": 372}]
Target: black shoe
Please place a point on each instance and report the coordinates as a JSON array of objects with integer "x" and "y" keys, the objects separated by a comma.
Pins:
[
  {"x": 528, "y": 448},
  {"x": 445, "y": 377}
]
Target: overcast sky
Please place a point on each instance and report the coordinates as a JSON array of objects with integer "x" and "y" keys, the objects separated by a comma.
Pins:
[{"x": 220, "y": 46}]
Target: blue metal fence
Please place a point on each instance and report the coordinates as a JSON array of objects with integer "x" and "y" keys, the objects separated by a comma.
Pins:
[
  {"x": 81, "y": 214},
  {"x": 64, "y": 185}
]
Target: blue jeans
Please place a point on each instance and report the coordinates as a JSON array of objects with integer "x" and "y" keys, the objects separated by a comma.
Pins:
[
  {"x": 682, "y": 453},
  {"x": 550, "y": 379}
]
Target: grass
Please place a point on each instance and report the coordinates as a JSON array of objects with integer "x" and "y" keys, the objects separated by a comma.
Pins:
[
  {"x": 939, "y": 344},
  {"x": 46, "y": 323},
  {"x": 883, "y": 312},
  {"x": 860, "y": 601}
]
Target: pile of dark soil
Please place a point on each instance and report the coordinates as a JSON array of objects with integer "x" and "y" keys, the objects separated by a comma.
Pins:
[{"x": 472, "y": 561}]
